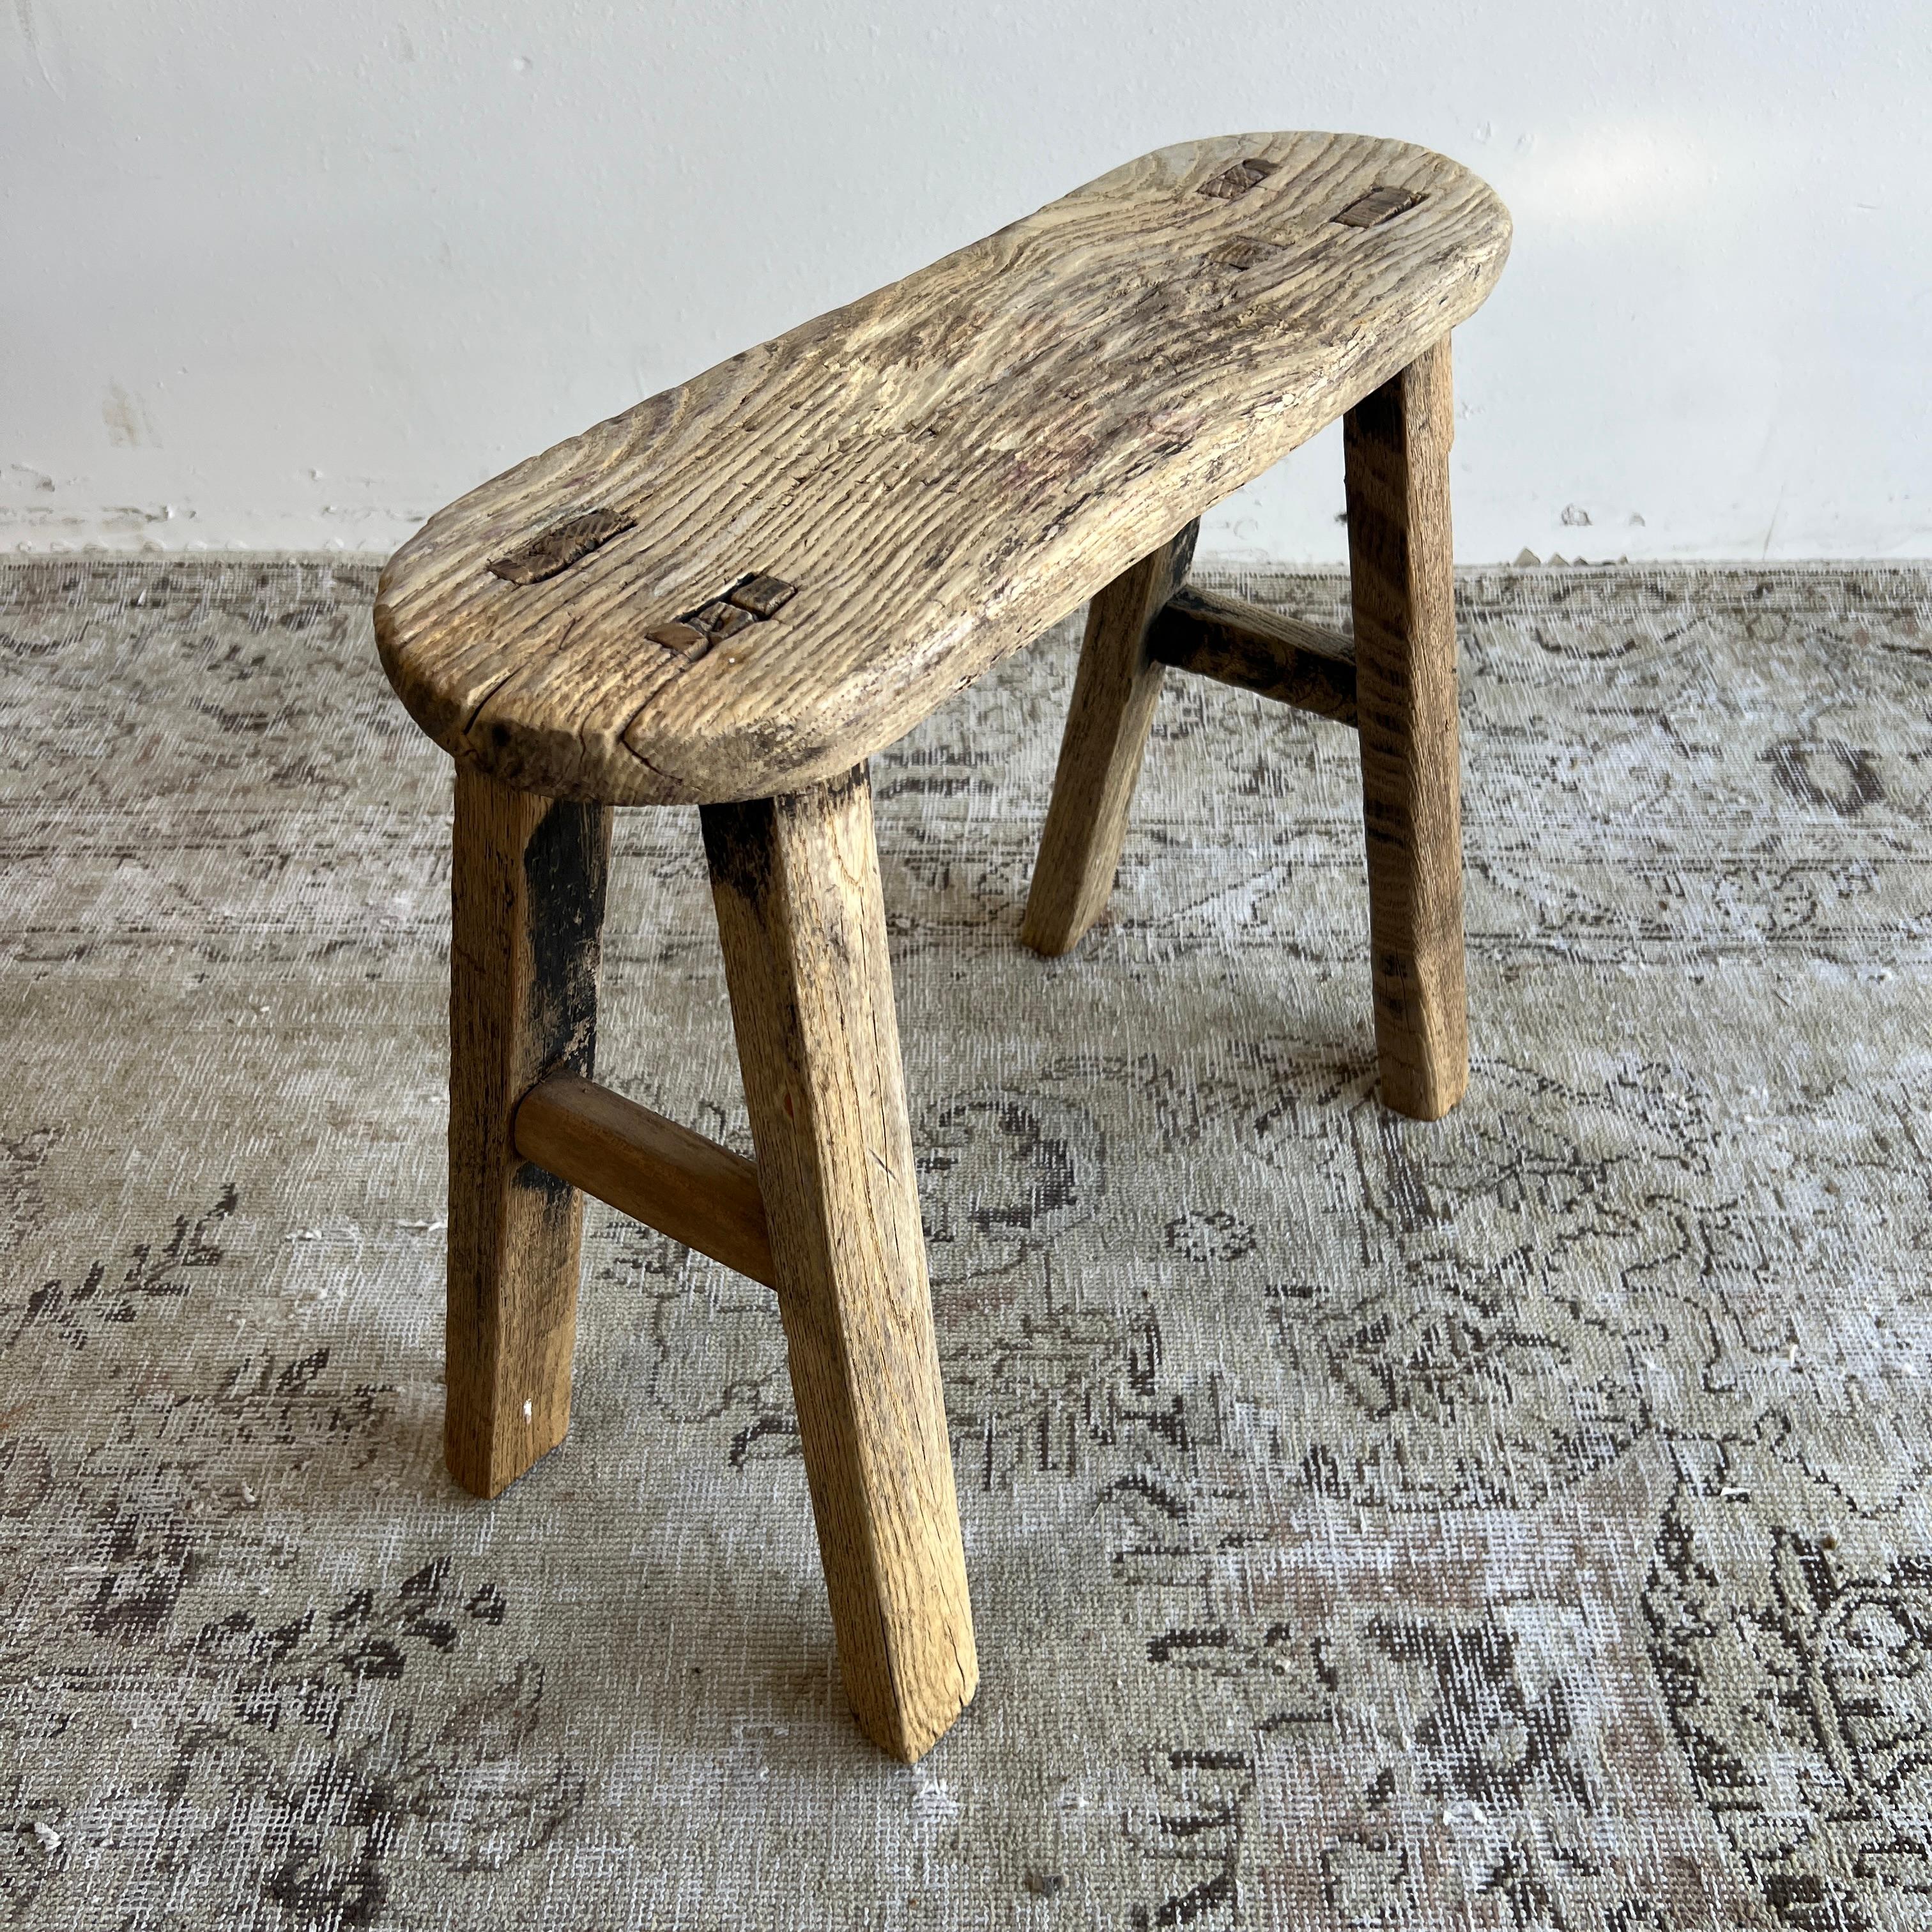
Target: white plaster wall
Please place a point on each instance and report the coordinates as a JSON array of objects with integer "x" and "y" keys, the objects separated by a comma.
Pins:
[{"x": 296, "y": 275}]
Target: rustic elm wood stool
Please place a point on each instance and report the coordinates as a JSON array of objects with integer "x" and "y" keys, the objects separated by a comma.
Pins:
[{"x": 732, "y": 595}]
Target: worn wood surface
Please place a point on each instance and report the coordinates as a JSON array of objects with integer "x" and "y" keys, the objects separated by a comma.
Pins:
[
  {"x": 1238, "y": 642},
  {"x": 942, "y": 470},
  {"x": 649, "y": 1167},
  {"x": 1115, "y": 689},
  {"x": 1396, "y": 455},
  {"x": 527, "y": 910},
  {"x": 803, "y": 922}
]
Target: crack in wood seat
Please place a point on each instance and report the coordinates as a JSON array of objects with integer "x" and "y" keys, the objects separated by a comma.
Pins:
[{"x": 937, "y": 472}]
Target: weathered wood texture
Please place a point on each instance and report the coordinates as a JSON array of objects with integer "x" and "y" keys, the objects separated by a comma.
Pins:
[
  {"x": 527, "y": 913},
  {"x": 1115, "y": 689},
  {"x": 942, "y": 469},
  {"x": 802, "y": 922},
  {"x": 1396, "y": 454},
  {"x": 1239, "y": 643},
  {"x": 649, "y": 1167}
]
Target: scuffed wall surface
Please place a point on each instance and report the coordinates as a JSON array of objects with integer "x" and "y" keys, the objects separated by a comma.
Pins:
[{"x": 297, "y": 276}]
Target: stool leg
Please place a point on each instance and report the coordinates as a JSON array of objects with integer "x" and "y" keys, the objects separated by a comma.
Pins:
[
  {"x": 527, "y": 912},
  {"x": 1107, "y": 725},
  {"x": 802, "y": 923},
  {"x": 1396, "y": 444}
]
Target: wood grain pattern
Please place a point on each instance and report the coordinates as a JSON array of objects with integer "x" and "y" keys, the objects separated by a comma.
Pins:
[
  {"x": 1239, "y": 643},
  {"x": 803, "y": 922},
  {"x": 1395, "y": 455},
  {"x": 527, "y": 913},
  {"x": 649, "y": 1167},
  {"x": 943, "y": 468},
  {"x": 1115, "y": 689}
]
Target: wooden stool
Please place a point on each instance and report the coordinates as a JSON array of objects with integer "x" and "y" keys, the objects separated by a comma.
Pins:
[{"x": 731, "y": 595}]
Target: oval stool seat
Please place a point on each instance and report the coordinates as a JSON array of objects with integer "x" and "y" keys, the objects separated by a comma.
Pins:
[{"x": 749, "y": 584}]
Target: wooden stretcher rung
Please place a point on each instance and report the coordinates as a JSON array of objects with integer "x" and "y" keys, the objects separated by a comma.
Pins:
[
  {"x": 1241, "y": 644},
  {"x": 649, "y": 1168}
]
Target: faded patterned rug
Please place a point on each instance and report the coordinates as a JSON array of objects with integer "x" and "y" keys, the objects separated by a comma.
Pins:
[{"x": 1516, "y": 1521}]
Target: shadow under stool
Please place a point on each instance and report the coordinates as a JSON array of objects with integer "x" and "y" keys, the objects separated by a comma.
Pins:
[{"x": 732, "y": 595}]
